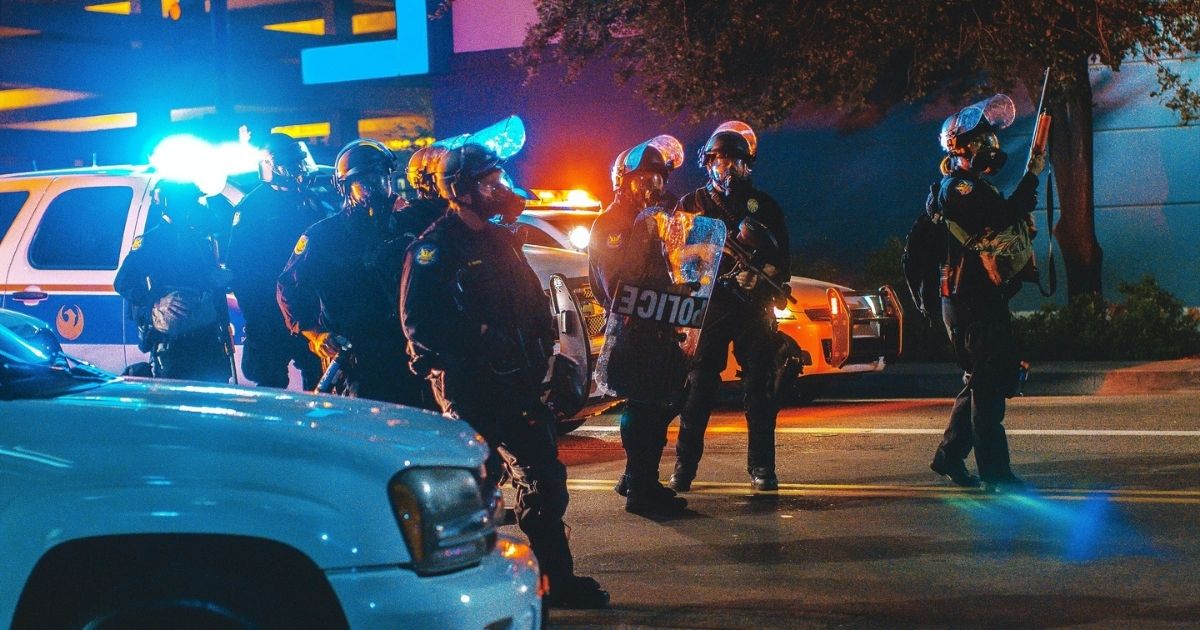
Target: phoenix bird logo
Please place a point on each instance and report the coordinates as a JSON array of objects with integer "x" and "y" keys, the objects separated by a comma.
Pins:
[
  {"x": 426, "y": 255},
  {"x": 69, "y": 322},
  {"x": 614, "y": 240}
]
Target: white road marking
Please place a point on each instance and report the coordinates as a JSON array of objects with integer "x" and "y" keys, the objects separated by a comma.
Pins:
[
  {"x": 905, "y": 431},
  {"x": 1118, "y": 495}
]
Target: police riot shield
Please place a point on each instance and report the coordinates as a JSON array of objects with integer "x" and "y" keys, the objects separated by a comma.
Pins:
[
  {"x": 655, "y": 319},
  {"x": 567, "y": 380}
]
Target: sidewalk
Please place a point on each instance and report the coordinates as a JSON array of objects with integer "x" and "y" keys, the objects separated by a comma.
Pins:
[{"x": 941, "y": 380}]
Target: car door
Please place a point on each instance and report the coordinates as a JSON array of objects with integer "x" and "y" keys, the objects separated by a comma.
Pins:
[{"x": 64, "y": 263}]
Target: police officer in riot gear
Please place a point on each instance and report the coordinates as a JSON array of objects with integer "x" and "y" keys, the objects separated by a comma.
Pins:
[
  {"x": 480, "y": 330},
  {"x": 176, "y": 289},
  {"x": 420, "y": 213},
  {"x": 740, "y": 312},
  {"x": 974, "y": 305},
  {"x": 339, "y": 287},
  {"x": 622, "y": 251},
  {"x": 266, "y": 225}
]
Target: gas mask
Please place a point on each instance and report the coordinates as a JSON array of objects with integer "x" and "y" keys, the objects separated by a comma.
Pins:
[
  {"x": 728, "y": 174},
  {"x": 369, "y": 194},
  {"x": 988, "y": 159},
  {"x": 494, "y": 196},
  {"x": 646, "y": 188}
]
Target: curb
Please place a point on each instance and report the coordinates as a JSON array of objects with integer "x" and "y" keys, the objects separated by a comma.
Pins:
[{"x": 941, "y": 380}]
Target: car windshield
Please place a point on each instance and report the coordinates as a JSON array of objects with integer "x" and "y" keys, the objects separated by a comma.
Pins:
[{"x": 30, "y": 370}]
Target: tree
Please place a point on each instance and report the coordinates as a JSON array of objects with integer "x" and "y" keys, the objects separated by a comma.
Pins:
[{"x": 760, "y": 59}]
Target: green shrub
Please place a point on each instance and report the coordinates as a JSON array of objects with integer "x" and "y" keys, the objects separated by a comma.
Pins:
[{"x": 1149, "y": 324}]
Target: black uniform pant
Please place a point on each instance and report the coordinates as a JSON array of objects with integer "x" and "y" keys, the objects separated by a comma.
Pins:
[
  {"x": 644, "y": 436},
  {"x": 199, "y": 356},
  {"x": 982, "y": 336},
  {"x": 751, "y": 330},
  {"x": 519, "y": 428},
  {"x": 265, "y": 359}
]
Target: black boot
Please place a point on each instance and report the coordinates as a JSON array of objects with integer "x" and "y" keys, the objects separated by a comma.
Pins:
[
  {"x": 763, "y": 479},
  {"x": 622, "y": 487},
  {"x": 575, "y": 591},
  {"x": 652, "y": 498},
  {"x": 681, "y": 479},
  {"x": 956, "y": 470},
  {"x": 1006, "y": 484}
]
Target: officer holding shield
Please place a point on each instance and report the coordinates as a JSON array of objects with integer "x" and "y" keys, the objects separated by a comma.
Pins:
[
  {"x": 625, "y": 248},
  {"x": 740, "y": 312},
  {"x": 480, "y": 330},
  {"x": 176, "y": 289}
]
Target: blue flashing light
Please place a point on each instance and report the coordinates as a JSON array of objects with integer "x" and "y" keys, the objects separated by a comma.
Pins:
[
  {"x": 186, "y": 158},
  {"x": 406, "y": 55}
]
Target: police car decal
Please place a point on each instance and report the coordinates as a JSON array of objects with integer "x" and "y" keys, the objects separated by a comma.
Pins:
[
  {"x": 427, "y": 254},
  {"x": 69, "y": 322},
  {"x": 752, "y": 206},
  {"x": 964, "y": 187},
  {"x": 614, "y": 240},
  {"x": 301, "y": 244}
]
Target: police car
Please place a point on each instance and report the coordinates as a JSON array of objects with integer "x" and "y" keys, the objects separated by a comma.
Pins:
[
  {"x": 65, "y": 232},
  {"x": 839, "y": 330},
  {"x": 135, "y": 503}
]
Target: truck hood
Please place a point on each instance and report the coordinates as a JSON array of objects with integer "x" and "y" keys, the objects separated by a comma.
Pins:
[{"x": 214, "y": 417}]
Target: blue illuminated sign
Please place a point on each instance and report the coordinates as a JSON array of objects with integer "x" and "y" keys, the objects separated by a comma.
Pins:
[{"x": 406, "y": 55}]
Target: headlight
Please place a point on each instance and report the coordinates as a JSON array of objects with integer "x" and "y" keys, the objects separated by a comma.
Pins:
[
  {"x": 783, "y": 313},
  {"x": 442, "y": 517},
  {"x": 579, "y": 237}
]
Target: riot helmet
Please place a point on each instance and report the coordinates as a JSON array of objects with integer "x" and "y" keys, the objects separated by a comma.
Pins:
[
  {"x": 471, "y": 177},
  {"x": 643, "y": 170},
  {"x": 422, "y": 170},
  {"x": 362, "y": 175},
  {"x": 970, "y": 133},
  {"x": 726, "y": 159},
  {"x": 182, "y": 205},
  {"x": 286, "y": 162}
]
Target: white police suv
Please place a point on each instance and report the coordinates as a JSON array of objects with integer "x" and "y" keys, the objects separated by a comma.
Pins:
[{"x": 132, "y": 503}]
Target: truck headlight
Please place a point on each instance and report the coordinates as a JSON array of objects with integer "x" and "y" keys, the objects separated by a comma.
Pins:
[
  {"x": 443, "y": 518},
  {"x": 784, "y": 313}
]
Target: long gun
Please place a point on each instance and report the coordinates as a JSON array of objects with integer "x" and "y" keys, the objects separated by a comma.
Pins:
[
  {"x": 1041, "y": 130},
  {"x": 742, "y": 248}
]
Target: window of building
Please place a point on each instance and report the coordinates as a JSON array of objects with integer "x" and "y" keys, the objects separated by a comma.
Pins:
[{"x": 82, "y": 229}]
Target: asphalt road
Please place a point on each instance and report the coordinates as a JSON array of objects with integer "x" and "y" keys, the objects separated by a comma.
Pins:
[{"x": 862, "y": 534}]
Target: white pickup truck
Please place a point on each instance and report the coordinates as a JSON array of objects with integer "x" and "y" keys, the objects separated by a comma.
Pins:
[{"x": 136, "y": 503}]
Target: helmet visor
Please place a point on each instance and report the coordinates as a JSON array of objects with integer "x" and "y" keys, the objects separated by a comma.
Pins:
[
  {"x": 744, "y": 130},
  {"x": 997, "y": 112},
  {"x": 505, "y": 138}
]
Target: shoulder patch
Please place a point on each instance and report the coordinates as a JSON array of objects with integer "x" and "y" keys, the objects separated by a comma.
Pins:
[
  {"x": 752, "y": 205},
  {"x": 614, "y": 240},
  {"x": 964, "y": 187},
  {"x": 301, "y": 245},
  {"x": 237, "y": 217},
  {"x": 137, "y": 244},
  {"x": 426, "y": 254}
]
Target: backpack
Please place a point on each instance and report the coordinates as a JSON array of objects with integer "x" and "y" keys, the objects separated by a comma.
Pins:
[{"x": 924, "y": 255}]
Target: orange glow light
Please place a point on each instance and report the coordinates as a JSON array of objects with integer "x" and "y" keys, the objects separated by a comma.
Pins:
[
  {"x": 23, "y": 98},
  {"x": 81, "y": 124}
]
